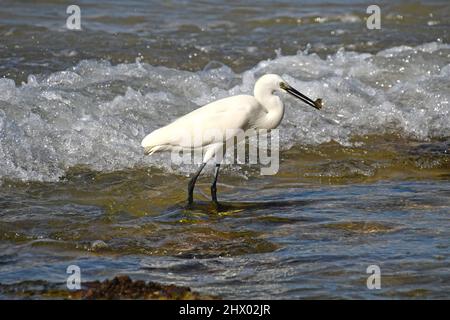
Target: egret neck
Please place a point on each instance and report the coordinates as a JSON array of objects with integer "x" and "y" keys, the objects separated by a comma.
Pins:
[{"x": 274, "y": 107}]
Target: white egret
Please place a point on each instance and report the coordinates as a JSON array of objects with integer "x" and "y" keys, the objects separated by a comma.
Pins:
[{"x": 263, "y": 110}]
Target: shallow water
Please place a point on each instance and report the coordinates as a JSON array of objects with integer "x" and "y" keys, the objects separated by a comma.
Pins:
[{"x": 365, "y": 181}]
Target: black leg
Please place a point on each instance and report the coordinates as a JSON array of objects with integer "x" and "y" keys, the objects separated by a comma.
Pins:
[
  {"x": 213, "y": 185},
  {"x": 192, "y": 182}
]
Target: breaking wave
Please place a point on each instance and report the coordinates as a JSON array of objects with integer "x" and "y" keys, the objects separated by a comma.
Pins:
[{"x": 96, "y": 114}]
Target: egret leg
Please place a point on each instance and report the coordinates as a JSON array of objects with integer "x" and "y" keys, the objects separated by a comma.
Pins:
[
  {"x": 192, "y": 182},
  {"x": 213, "y": 185}
]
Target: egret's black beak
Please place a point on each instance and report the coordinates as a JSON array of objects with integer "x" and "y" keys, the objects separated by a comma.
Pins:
[{"x": 315, "y": 104}]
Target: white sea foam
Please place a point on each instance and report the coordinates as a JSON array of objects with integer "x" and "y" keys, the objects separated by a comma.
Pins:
[{"x": 96, "y": 114}]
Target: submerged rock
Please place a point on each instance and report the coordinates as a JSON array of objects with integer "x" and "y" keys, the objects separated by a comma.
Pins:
[{"x": 122, "y": 287}]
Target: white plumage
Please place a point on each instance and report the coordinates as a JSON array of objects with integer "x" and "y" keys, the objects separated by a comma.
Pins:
[{"x": 263, "y": 110}]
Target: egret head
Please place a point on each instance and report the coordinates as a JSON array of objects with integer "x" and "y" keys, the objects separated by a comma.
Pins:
[{"x": 274, "y": 82}]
